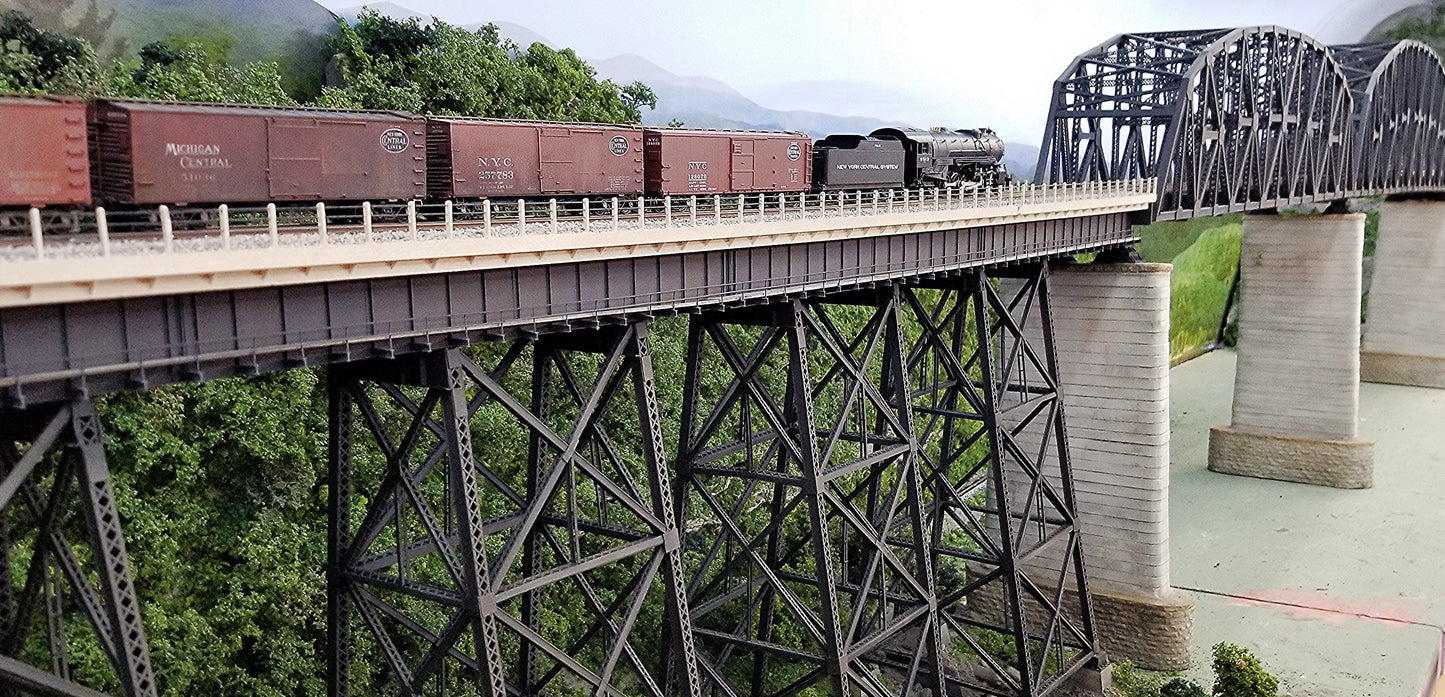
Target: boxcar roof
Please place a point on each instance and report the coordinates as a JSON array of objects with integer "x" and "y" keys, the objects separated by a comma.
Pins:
[
  {"x": 263, "y": 110},
  {"x": 725, "y": 132},
  {"x": 531, "y": 122}
]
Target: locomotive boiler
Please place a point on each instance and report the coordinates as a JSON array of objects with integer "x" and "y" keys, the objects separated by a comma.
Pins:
[{"x": 970, "y": 156}]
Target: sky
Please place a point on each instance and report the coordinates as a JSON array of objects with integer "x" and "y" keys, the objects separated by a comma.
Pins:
[{"x": 956, "y": 63}]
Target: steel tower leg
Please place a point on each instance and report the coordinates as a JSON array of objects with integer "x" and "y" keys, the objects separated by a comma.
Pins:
[
  {"x": 1005, "y": 540},
  {"x": 802, "y": 492},
  {"x": 40, "y": 497},
  {"x": 491, "y": 512}
]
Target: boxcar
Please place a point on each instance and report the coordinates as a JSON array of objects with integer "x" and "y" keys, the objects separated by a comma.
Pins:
[
  {"x": 478, "y": 158},
  {"x": 43, "y": 160},
  {"x": 691, "y": 161},
  {"x": 153, "y": 153}
]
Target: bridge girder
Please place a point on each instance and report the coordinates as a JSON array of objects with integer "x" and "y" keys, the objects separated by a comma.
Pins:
[
  {"x": 1399, "y": 93},
  {"x": 1228, "y": 119}
]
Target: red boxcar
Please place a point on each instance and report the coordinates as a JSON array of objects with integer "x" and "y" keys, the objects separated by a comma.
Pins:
[
  {"x": 151, "y": 153},
  {"x": 692, "y": 161},
  {"x": 42, "y": 157},
  {"x": 475, "y": 158}
]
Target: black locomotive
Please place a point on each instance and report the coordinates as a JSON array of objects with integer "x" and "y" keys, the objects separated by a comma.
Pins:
[{"x": 910, "y": 157}]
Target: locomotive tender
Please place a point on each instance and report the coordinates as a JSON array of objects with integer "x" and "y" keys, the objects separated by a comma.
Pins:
[{"x": 137, "y": 153}]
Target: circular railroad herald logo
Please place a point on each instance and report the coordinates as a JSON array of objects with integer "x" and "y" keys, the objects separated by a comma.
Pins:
[
  {"x": 794, "y": 151},
  {"x": 618, "y": 146},
  {"x": 395, "y": 140}
]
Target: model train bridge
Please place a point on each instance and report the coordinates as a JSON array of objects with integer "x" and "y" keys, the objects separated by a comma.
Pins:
[{"x": 870, "y": 488}]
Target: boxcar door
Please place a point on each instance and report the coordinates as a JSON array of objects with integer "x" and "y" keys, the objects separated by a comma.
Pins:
[
  {"x": 293, "y": 167},
  {"x": 560, "y": 170},
  {"x": 742, "y": 174}
]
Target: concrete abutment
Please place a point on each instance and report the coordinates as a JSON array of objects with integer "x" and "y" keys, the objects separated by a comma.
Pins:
[{"x": 1296, "y": 390}]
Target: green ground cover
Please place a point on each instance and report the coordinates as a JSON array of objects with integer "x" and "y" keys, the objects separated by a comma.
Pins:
[{"x": 1205, "y": 255}]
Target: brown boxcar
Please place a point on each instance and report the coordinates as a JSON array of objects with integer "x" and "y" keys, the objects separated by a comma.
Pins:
[
  {"x": 42, "y": 157},
  {"x": 151, "y": 153},
  {"x": 693, "y": 161},
  {"x": 475, "y": 158}
]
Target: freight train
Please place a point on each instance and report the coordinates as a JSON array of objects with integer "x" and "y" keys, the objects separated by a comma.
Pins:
[{"x": 65, "y": 152}]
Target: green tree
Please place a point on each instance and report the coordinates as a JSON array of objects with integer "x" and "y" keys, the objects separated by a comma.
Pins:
[
  {"x": 36, "y": 61},
  {"x": 1430, "y": 30},
  {"x": 438, "y": 68},
  {"x": 191, "y": 71}
]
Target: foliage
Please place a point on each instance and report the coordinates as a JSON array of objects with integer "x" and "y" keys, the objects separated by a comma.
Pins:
[
  {"x": 38, "y": 62},
  {"x": 219, "y": 484},
  {"x": 1237, "y": 673},
  {"x": 1199, "y": 289},
  {"x": 1182, "y": 687},
  {"x": 194, "y": 72},
  {"x": 442, "y": 69},
  {"x": 1430, "y": 30},
  {"x": 1131, "y": 681}
]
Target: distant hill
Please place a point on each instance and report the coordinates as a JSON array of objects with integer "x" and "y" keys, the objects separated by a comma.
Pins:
[{"x": 289, "y": 32}]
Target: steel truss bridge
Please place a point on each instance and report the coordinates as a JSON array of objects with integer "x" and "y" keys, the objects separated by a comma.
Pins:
[{"x": 869, "y": 461}]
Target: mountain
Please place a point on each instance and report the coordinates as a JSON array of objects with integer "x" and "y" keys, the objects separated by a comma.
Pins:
[
  {"x": 290, "y": 32},
  {"x": 707, "y": 103}
]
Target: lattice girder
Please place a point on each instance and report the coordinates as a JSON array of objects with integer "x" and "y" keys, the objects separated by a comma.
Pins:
[
  {"x": 511, "y": 495},
  {"x": 1399, "y": 94},
  {"x": 1228, "y": 120},
  {"x": 47, "y": 501}
]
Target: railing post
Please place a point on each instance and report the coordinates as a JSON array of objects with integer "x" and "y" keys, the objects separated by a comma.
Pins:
[
  {"x": 521, "y": 217},
  {"x": 447, "y": 214},
  {"x": 642, "y": 212},
  {"x": 552, "y": 213},
  {"x": 614, "y": 214},
  {"x": 271, "y": 224},
  {"x": 411, "y": 219},
  {"x": 875, "y": 202},
  {"x": 487, "y": 217},
  {"x": 717, "y": 209},
  {"x": 36, "y": 238},
  {"x": 321, "y": 222},
  {"x": 224, "y": 212},
  {"x": 102, "y": 227},
  {"x": 692, "y": 209},
  {"x": 366, "y": 220},
  {"x": 667, "y": 211},
  {"x": 167, "y": 236},
  {"x": 586, "y": 214}
]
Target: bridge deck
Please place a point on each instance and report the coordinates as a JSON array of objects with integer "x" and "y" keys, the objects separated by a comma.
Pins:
[{"x": 100, "y": 323}]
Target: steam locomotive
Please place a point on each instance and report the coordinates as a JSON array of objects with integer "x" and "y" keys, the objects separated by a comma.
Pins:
[{"x": 130, "y": 154}]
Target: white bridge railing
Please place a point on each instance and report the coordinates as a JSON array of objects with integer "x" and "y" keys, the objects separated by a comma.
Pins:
[{"x": 98, "y": 233}]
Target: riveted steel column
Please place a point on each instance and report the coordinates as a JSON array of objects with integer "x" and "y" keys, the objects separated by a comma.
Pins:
[
  {"x": 113, "y": 609},
  {"x": 338, "y": 538}
]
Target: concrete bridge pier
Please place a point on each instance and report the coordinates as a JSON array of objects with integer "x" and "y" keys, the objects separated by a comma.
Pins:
[
  {"x": 1111, "y": 332},
  {"x": 1296, "y": 389},
  {"x": 1404, "y": 341}
]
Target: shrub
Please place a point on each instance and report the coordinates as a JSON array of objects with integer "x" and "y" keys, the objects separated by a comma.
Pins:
[
  {"x": 1237, "y": 673},
  {"x": 1180, "y": 687}
]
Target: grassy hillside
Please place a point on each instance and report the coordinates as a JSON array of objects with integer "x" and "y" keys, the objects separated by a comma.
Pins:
[{"x": 289, "y": 32}]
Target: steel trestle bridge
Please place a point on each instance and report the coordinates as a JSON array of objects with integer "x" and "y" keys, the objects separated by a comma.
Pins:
[{"x": 868, "y": 466}]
